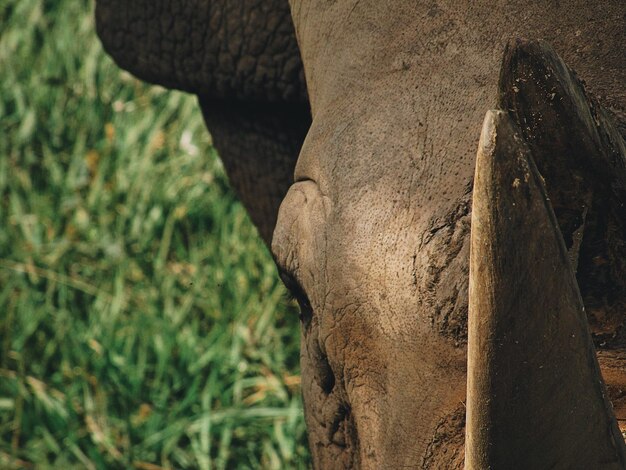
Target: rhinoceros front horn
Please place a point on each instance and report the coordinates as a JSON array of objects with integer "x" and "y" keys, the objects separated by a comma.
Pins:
[{"x": 535, "y": 397}]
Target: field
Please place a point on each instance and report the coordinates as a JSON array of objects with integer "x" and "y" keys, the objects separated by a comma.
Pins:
[{"x": 142, "y": 324}]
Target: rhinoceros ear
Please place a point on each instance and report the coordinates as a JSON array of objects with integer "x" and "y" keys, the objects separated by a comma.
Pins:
[
  {"x": 239, "y": 49},
  {"x": 535, "y": 393}
]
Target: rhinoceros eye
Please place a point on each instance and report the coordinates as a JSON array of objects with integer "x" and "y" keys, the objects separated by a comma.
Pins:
[{"x": 297, "y": 292}]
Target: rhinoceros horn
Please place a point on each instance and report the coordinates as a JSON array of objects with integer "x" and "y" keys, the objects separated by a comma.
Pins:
[{"x": 535, "y": 395}]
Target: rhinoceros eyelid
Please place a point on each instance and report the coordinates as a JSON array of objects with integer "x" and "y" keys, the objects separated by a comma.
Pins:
[
  {"x": 297, "y": 292},
  {"x": 292, "y": 285},
  {"x": 307, "y": 180},
  {"x": 302, "y": 179}
]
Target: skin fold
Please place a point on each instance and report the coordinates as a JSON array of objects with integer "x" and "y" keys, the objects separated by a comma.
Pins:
[{"x": 373, "y": 231}]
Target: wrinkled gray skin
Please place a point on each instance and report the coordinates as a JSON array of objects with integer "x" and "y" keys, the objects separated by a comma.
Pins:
[{"x": 373, "y": 234}]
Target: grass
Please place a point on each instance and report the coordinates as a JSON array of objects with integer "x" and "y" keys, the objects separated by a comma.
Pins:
[{"x": 142, "y": 324}]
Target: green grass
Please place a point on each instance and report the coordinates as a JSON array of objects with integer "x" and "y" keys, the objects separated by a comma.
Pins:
[{"x": 142, "y": 324}]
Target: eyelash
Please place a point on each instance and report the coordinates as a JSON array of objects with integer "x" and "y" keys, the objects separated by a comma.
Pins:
[{"x": 297, "y": 293}]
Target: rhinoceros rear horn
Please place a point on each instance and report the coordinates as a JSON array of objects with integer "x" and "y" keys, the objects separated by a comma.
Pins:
[{"x": 535, "y": 397}]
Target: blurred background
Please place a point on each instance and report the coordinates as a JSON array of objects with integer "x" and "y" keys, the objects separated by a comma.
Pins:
[{"x": 142, "y": 323}]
